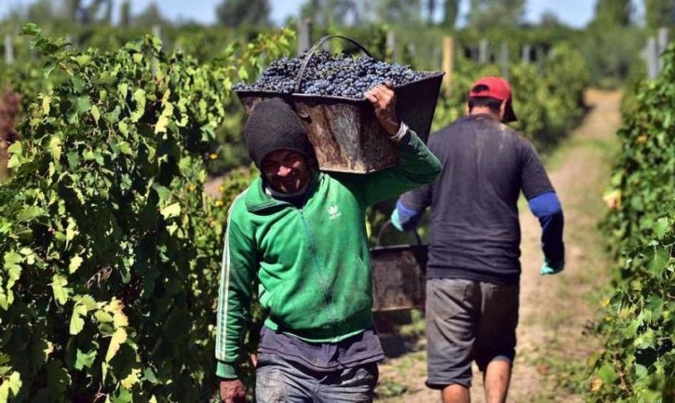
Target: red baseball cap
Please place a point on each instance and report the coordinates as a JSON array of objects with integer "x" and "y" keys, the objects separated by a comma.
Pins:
[{"x": 497, "y": 88}]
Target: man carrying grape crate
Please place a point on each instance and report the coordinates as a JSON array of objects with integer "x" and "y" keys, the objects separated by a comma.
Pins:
[
  {"x": 473, "y": 271},
  {"x": 301, "y": 234}
]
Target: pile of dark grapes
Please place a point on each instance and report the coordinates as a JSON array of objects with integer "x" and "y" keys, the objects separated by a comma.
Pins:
[{"x": 330, "y": 74}]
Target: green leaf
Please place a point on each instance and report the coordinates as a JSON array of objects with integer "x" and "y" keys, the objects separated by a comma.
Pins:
[
  {"x": 139, "y": 97},
  {"x": 82, "y": 60},
  {"x": 103, "y": 317},
  {"x": 58, "y": 287},
  {"x": 75, "y": 264},
  {"x": 123, "y": 89},
  {"x": 12, "y": 258},
  {"x": 662, "y": 226},
  {"x": 88, "y": 302},
  {"x": 131, "y": 379},
  {"x": 607, "y": 373},
  {"x": 47, "y": 69},
  {"x": 85, "y": 360},
  {"x": 124, "y": 128},
  {"x": 28, "y": 213},
  {"x": 95, "y": 113},
  {"x": 73, "y": 160},
  {"x": 83, "y": 104},
  {"x": 78, "y": 83},
  {"x": 162, "y": 191},
  {"x": 71, "y": 230},
  {"x": 10, "y": 385},
  {"x": 172, "y": 210},
  {"x": 243, "y": 73},
  {"x": 149, "y": 375},
  {"x": 125, "y": 148},
  {"x": 164, "y": 119},
  {"x": 660, "y": 257},
  {"x": 15, "y": 383},
  {"x": 12, "y": 267},
  {"x": 76, "y": 321},
  {"x": 46, "y": 103},
  {"x": 119, "y": 337},
  {"x": 630, "y": 331},
  {"x": 55, "y": 147},
  {"x": 31, "y": 29},
  {"x": 120, "y": 319}
]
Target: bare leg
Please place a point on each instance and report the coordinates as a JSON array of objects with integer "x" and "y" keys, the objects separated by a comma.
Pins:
[
  {"x": 497, "y": 378},
  {"x": 456, "y": 394}
]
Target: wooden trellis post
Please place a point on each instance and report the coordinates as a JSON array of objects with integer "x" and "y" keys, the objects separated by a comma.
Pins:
[
  {"x": 504, "y": 60},
  {"x": 9, "y": 49},
  {"x": 448, "y": 62},
  {"x": 304, "y": 35},
  {"x": 484, "y": 51}
]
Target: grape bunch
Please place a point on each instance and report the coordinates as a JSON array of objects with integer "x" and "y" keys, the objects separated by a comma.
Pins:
[{"x": 329, "y": 74}]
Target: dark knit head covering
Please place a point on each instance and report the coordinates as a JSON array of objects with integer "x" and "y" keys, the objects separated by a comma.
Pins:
[{"x": 273, "y": 125}]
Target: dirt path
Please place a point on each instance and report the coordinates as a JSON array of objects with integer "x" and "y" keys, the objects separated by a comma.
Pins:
[{"x": 554, "y": 309}]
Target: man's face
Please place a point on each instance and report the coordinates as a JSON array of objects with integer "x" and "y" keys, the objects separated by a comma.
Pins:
[{"x": 286, "y": 170}]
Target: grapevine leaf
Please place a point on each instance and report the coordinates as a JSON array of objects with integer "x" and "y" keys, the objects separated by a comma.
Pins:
[
  {"x": 83, "y": 104},
  {"x": 31, "y": 29},
  {"x": 55, "y": 147},
  {"x": 172, "y": 210},
  {"x": 119, "y": 317},
  {"x": 103, "y": 317},
  {"x": 607, "y": 373},
  {"x": 123, "y": 89},
  {"x": 78, "y": 83},
  {"x": 95, "y": 113},
  {"x": 659, "y": 260},
  {"x": 88, "y": 302},
  {"x": 58, "y": 286},
  {"x": 46, "y": 101},
  {"x": 28, "y": 213},
  {"x": 125, "y": 148},
  {"x": 71, "y": 230},
  {"x": 75, "y": 264},
  {"x": 119, "y": 337},
  {"x": 243, "y": 74},
  {"x": 164, "y": 119},
  {"x": 662, "y": 226},
  {"x": 131, "y": 379},
  {"x": 162, "y": 191},
  {"x": 76, "y": 320},
  {"x": 73, "y": 160},
  {"x": 12, "y": 258},
  {"x": 139, "y": 97},
  {"x": 48, "y": 68},
  {"x": 85, "y": 360},
  {"x": 10, "y": 385}
]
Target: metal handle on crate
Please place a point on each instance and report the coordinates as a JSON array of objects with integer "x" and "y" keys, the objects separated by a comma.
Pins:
[
  {"x": 388, "y": 224},
  {"x": 313, "y": 49}
]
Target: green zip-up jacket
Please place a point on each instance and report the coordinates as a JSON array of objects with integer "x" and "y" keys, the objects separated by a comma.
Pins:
[{"x": 313, "y": 262}]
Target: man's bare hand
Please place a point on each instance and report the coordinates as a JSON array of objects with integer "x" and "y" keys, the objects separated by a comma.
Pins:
[
  {"x": 384, "y": 101},
  {"x": 232, "y": 391}
]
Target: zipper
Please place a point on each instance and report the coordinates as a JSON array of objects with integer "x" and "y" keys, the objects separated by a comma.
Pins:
[{"x": 312, "y": 249}]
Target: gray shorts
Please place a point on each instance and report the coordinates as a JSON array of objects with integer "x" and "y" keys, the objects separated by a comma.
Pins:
[{"x": 468, "y": 320}]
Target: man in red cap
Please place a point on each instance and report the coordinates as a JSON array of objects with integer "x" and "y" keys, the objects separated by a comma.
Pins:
[{"x": 473, "y": 271}]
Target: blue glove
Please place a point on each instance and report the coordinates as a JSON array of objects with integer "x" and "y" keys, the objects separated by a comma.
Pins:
[
  {"x": 396, "y": 221},
  {"x": 550, "y": 267}
]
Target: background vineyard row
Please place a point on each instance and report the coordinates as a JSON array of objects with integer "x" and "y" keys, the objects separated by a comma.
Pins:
[{"x": 110, "y": 247}]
